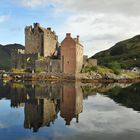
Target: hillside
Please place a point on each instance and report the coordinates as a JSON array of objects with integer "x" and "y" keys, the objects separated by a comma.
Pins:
[
  {"x": 5, "y": 55},
  {"x": 126, "y": 52}
]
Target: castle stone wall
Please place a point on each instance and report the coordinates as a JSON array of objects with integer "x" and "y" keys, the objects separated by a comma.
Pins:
[
  {"x": 23, "y": 61},
  {"x": 48, "y": 65}
]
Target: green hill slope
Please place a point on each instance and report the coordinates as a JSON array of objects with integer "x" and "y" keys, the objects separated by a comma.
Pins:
[
  {"x": 5, "y": 55},
  {"x": 126, "y": 52},
  {"x": 4, "y": 59}
]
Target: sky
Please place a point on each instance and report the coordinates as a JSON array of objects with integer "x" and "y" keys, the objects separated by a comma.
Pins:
[{"x": 100, "y": 23}]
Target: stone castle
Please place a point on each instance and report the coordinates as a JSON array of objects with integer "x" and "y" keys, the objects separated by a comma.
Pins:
[{"x": 43, "y": 52}]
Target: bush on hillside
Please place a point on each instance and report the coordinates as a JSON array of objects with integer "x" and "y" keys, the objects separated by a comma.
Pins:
[
  {"x": 87, "y": 69},
  {"x": 115, "y": 66}
]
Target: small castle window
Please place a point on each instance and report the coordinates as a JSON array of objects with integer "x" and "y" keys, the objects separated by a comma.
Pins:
[{"x": 68, "y": 62}]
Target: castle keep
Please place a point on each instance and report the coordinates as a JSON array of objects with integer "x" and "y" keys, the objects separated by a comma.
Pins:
[
  {"x": 43, "y": 53},
  {"x": 40, "y": 40}
]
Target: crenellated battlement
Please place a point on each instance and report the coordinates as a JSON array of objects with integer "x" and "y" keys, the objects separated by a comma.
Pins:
[{"x": 28, "y": 29}]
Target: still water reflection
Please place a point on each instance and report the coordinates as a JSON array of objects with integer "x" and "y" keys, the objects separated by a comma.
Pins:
[{"x": 69, "y": 111}]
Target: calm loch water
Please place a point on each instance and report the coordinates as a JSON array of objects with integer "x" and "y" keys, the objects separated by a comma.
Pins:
[{"x": 69, "y": 111}]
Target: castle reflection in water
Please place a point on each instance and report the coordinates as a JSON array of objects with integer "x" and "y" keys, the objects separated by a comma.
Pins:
[{"x": 43, "y": 102}]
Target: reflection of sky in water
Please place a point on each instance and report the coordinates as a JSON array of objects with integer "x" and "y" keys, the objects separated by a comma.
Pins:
[
  {"x": 102, "y": 118},
  {"x": 9, "y": 115},
  {"x": 103, "y": 115}
]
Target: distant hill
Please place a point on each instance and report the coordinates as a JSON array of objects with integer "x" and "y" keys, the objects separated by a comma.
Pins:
[
  {"x": 5, "y": 55},
  {"x": 126, "y": 52}
]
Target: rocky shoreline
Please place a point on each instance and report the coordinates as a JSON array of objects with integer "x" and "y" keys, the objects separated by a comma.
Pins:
[{"x": 85, "y": 78}]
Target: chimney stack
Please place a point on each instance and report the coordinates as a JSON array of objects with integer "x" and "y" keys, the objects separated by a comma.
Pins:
[
  {"x": 49, "y": 28},
  {"x": 78, "y": 38},
  {"x": 68, "y": 34}
]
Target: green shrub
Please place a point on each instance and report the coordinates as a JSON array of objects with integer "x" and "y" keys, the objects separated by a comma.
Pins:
[
  {"x": 87, "y": 69},
  {"x": 18, "y": 70},
  {"x": 104, "y": 70},
  {"x": 115, "y": 66}
]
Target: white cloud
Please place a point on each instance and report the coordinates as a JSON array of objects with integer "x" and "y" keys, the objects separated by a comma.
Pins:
[
  {"x": 30, "y": 3},
  {"x": 100, "y": 23},
  {"x": 4, "y": 18},
  {"x": 130, "y": 7},
  {"x": 105, "y": 6},
  {"x": 36, "y": 3},
  {"x": 101, "y": 31},
  {"x": 102, "y": 118},
  {"x": 107, "y": 116}
]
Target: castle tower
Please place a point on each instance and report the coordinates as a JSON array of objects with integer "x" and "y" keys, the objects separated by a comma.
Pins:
[
  {"x": 40, "y": 40},
  {"x": 71, "y": 55}
]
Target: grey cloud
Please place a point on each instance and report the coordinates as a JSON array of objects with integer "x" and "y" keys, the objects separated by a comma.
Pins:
[
  {"x": 127, "y": 7},
  {"x": 110, "y": 37},
  {"x": 79, "y": 19},
  {"x": 130, "y": 7}
]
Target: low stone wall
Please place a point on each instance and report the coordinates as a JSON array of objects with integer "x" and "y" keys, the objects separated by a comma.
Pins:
[
  {"x": 48, "y": 65},
  {"x": 23, "y": 61}
]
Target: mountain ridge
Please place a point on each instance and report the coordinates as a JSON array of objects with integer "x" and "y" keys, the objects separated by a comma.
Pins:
[{"x": 126, "y": 52}]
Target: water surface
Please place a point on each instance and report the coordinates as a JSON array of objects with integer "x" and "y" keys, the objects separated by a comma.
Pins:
[{"x": 75, "y": 111}]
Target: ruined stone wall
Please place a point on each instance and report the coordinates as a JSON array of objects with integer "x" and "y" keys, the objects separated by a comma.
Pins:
[
  {"x": 17, "y": 59},
  {"x": 23, "y": 61},
  {"x": 48, "y": 65},
  {"x": 68, "y": 55}
]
